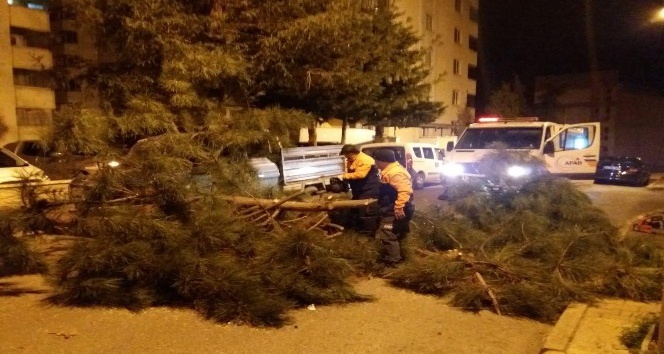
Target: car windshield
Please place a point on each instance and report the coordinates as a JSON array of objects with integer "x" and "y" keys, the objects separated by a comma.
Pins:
[
  {"x": 7, "y": 159},
  {"x": 511, "y": 138}
]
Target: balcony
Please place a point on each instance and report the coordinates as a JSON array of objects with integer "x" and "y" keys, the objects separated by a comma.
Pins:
[
  {"x": 31, "y": 58},
  {"x": 33, "y": 19},
  {"x": 34, "y": 97}
]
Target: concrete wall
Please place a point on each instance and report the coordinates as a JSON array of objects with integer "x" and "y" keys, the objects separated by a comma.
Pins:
[
  {"x": 639, "y": 129},
  {"x": 7, "y": 94},
  {"x": 632, "y": 119},
  {"x": 22, "y": 17},
  {"x": 32, "y": 58},
  {"x": 22, "y": 57}
]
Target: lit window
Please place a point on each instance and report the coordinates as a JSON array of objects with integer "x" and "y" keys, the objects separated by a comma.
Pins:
[
  {"x": 455, "y": 67},
  {"x": 457, "y": 36},
  {"x": 455, "y": 97}
]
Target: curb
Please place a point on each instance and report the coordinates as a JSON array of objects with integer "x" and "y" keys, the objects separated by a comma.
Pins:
[
  {"x": 656, "y": 184},
  {"x": 563, "y": 332}
]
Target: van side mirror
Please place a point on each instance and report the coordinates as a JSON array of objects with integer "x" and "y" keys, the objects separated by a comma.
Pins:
[
  {"x": 450, "y": 146},
  {"x": 549, "y": 149}
]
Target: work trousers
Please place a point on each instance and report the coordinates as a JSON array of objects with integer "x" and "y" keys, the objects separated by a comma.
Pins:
[{"x": 390, "y": 234}]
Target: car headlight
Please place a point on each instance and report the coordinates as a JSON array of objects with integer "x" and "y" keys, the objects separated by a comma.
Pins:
[
  {"x": 518, "y": 171},
  {"x": 113, "y": 164},
  {"x": 452, "y": 169}
]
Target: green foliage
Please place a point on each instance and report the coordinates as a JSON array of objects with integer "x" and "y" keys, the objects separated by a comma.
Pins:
[
  {"x": 632, "y": 337},
  {"x": 247, "y": 70},
  {"x": 211, "y": 261},
  {"x": 306, "y": 270},
  {"x": 509, "y": 100},
  {"x": 537, "y": 250},
  {"x": 16, "y": 257},
  {"x": 78, "y": 131},
  {"x": 336, "y": 60}
]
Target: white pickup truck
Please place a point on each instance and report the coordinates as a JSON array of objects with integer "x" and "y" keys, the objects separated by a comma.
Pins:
[{"x": 567, "y": 150}]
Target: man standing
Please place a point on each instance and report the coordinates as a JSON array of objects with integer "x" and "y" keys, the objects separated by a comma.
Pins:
[
  {"x": 362, "y": 176},
  {"x": 395, "y": 202}
]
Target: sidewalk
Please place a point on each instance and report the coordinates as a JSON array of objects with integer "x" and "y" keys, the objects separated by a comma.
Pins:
[
  {"x": 656, "y": 181},
  {"x": 595, "y": 329}
]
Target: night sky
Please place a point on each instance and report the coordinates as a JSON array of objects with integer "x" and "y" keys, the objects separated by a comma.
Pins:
[{"x": 527, "y": 38}]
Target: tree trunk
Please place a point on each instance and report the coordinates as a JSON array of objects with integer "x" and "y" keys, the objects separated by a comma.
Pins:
[
  {"x": 299, "y": 206},
  {"x": 344, "y": 125},
  {"x": 313, "y": 138},
  {"x": 380, "y": 133}
]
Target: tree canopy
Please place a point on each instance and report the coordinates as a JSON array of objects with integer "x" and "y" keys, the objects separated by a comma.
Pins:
[
  {"x": 191, "y": 66},
  {"x": 509, "y": 100}
]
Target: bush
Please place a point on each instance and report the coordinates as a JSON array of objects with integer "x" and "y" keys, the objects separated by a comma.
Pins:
[{"x": 16, "y": 258}]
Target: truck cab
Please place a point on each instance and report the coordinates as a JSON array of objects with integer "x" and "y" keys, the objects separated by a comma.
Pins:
[{"x": 566, "y": 150}]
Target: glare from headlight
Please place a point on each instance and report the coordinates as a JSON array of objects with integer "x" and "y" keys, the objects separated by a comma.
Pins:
[
  {"x": 517, "y": 171},
  {"x": 452, "y": 169},
  {"x": 113, "y": 164}
]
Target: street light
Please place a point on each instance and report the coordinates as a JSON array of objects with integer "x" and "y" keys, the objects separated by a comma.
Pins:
[{"x": 659, "y": 15}]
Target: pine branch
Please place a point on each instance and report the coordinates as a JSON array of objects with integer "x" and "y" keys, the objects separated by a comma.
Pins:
[{"x": 489, "y": 292}]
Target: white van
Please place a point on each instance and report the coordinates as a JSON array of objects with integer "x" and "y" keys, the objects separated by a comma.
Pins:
[
  {"x": 566, "y": 150},
  {"x": 421, "y": 159}
]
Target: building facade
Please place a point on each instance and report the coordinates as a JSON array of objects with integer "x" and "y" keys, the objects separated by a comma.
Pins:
[
  {"x": 449, "y": 30},
  {"x": 632, "y": 119},
  {"x": 26, "y": 90},
  {"x": 74, "y": 51},
  {"x": 41, "y": 36}
]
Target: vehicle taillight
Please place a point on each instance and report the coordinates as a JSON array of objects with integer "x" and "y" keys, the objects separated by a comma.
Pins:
[{"x": 409, "y": 160}]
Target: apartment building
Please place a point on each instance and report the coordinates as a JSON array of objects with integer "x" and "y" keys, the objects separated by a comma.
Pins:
[
  {"x": 449, "y": 30},
  {"x": 74, "y": 50},
  {"x": 632, "y": 118},
  {"x": 41, "y": 35},
  {"x": 26, "y": 92}
]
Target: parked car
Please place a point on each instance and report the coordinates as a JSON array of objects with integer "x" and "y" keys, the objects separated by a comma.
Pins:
[
  {"x": 623, "y": 169},
  {"x": 14, "y": 169},
  {"x": 55, "y": 165},
  {"x": 421, "y": 159}
]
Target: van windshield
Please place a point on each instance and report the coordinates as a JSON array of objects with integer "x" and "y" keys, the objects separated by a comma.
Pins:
[{"x": 508, "y": 137}]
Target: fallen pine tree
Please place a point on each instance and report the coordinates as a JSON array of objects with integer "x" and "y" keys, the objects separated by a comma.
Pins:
[
  {"x": 251, "y": 258},
  {"x": 527, "y": 255},
  {"x": 16, "y": 257}
]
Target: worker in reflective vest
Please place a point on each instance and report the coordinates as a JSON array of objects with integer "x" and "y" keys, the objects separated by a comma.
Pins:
[
  {"x": 362, "y": 176},
  {"x": 361, "y": 173},
  {"x": 395, "y": 202}
]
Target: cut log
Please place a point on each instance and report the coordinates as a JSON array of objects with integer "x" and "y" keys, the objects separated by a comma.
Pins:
[{"x": 300, "y": 206}]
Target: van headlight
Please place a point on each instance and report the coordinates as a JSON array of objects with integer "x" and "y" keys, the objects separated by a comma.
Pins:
[
  {"x": 518, "y": 171},
  {"x": 452, "y": 169}
]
